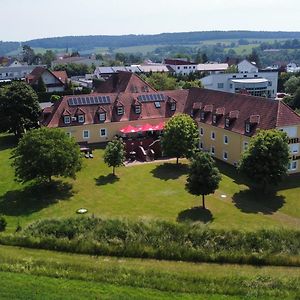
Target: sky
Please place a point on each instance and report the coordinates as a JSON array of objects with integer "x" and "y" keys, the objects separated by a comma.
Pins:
[{"x": 30, "y": 19}]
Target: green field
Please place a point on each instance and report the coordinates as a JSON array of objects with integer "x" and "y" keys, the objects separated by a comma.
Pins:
[
  {"x": 155, "y": 190},
  {"x": 44, "y": 274}
]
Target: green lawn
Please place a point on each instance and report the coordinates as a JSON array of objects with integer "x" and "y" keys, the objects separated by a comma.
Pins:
[
  {"x": 146, "y": 191},
  {"x": 40, "y": 274}
]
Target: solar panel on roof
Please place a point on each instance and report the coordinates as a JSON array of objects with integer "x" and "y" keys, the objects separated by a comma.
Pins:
[{"x": 89, "y": 100}]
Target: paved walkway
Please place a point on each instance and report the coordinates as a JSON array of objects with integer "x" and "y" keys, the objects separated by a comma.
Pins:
[{"x": 137, "y": 162}]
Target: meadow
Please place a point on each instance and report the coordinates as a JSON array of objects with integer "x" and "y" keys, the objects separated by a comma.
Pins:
[{"x": 146, "y": 191}]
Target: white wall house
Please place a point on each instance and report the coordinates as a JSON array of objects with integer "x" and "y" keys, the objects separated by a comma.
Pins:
[
  {"x": 257, "y": 83},
  {"x": 52, "y": 83}
]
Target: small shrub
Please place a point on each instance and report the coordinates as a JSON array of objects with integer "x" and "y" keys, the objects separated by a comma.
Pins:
[{"x": 3, "y": 223}]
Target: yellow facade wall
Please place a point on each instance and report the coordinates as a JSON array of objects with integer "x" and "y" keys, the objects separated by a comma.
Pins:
[
  {"x": 234, "y": 147},
  {"x": 112, "y": 128}
]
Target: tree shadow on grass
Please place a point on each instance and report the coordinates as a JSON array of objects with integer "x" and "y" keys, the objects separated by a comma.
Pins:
[
  {"x": 195, "y": 214},
  {"x": 106, "y": 179},
  {"x": 169, "y": 171},
  {"x": 7, "y": 141},
  {"x": 254, "y": 201},
  {"x": 34, "y": 197}
]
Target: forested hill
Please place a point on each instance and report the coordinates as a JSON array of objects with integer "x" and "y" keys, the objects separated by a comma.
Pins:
[{"x": 179, "y": 38}]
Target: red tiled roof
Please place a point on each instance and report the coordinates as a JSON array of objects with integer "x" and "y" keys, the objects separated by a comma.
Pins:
[
  {"x": 37, "y": 72},
  {"x": 148, "y": 109},
  {"x": 272, "y": 113},
  {"x": 61, "y": 75},
  {"x": 263, "y": 113},
  {"x": 124, "y": 82}
]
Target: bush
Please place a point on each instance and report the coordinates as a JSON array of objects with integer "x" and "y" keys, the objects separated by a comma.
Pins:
[
  {"x": 160, "y": 240},
  {"x": 3, "y": 223}
]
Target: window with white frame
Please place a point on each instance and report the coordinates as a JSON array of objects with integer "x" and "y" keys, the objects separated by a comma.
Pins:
[
  {"x": 292, "y": 165},
  {"x": 294, "y": 148},
  {"x": 225, "y": 155},
  {"x": 201, "y": 145},
  {"x": 225, "y": 139},
  {"x": 247, "y": 127},
  {"x": 220, "y": 85},
  {"x": 157, "y": 104},
  {"x": 245, "y": 145},
  {"x": 201, "y": 131},
  {"x": 80, "y": 118},
  {"x": 103, "y": 132},
  {"x": 213, "y": 135},
  {"x": 67, "y": 119},
  {"x": 120, "y": 110},
  {"x": 214, "y": 119},
  {"x": 212, "y": 150},
  {"x": 137, "y": 109},
  {"x": 86, "y": 134},
  {"x": 202, "y": 115},
  {"x": 227, "y": 122},
  {"x": 173, "y": 106},
  {"x": 102, "y": 116},
  {"x": 69, "y": 134}
]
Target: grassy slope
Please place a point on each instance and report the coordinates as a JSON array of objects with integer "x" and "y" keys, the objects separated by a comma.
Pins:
[
  {"x": 77, "y": 274},
  {"x": 147, "y": 191}
]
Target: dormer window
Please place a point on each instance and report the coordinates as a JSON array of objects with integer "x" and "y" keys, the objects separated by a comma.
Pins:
[
  {"x": 247, "y": 128},
  {"x": 102, "y": 116},
  {"x": 80, "y": 118},
  {"x": 137, "y": 109},
  {"x": 120, "y": 110},
  {"x": 173, "y": 106},
  {"x": 67, "y": 119}
]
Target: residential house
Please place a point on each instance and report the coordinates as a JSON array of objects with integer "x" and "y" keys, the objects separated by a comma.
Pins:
[
  {"x": 55, "y": 81},
  {"x": 226, "y": 121}
]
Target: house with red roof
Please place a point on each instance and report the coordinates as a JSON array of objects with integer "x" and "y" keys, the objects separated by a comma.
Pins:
[
  {"x": 226, "y": 121},
  {"x": 55, "y": 81}
]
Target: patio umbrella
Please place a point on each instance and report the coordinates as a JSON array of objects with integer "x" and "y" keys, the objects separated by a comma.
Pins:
[
  {"x": 160, "y": 126},
  {"x": 129, "y": 129},
  {"x": 147, "y": 127}
]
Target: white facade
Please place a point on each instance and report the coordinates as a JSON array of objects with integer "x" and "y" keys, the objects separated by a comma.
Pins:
[
  {"x": 292, "y": 68},
  {"x": 257, "y": 83},
  {"x": 184, "y": 69},
  {"x": 294, "y": 146}
]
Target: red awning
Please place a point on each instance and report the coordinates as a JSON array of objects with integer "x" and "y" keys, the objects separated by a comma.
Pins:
[
  {"x": 147, "y": 127},
  {"x": 129, "y": 129},
  {"x": 160, "y": 126}
]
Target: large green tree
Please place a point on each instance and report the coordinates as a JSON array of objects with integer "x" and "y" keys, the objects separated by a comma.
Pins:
[
  {"x": 180, "y": 137},
  {"x": 162, "y": 81},
  {"x": 203, "y": 177},
  {"x": 266, "y": 159},
  {"x": 19, "y": 108},
  {"x": 46, "y": 152},
  {"x": 114, "y": 155},
  {"x": 292, "y": 84}
]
